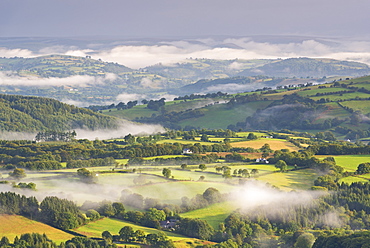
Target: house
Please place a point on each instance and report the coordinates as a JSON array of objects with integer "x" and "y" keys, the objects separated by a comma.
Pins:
[
  {"x": 262, "y": 160},
  {"x": 187, "y": 151},
  {"x": 168, "y": 224}
]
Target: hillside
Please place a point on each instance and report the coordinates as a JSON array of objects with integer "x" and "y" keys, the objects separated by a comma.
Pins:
[
  {"x": 308, "y": 67},
  {"x": 30, "y": 114},
  {"x": 84, "y": 81},
  {"x": 340, "y": 106}
]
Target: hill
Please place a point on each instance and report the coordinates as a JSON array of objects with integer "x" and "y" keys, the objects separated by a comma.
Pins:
[
  {"x": 308, "y": 67},
  {"x": 15, "y": 225},
  {"x": 30, "y": 114},
  {"x": 340, "y": 106},
  {"x": 84, "y": 81}
]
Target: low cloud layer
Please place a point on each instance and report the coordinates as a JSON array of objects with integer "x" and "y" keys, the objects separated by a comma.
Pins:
[
  {"x": 139, "y": 56},
  {"x": 10, "y": 78}
]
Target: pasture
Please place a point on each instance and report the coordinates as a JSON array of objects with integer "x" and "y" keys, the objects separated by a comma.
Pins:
[
  {"x": 348, "y": 162},
  {"x": 15, "y": 225},
  {"x": 95, "y": 229},
  {"x": 213, "y": 214},
  {"x": 220, "y": 116},
  {"x": 362, "y": 106},
  {"x": 172, "y": 192}
]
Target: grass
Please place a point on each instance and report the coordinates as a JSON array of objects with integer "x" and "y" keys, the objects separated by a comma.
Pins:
[
  {"x": 172, "y": 192},
  {"x": 220, "y": 115},
  {"x": 343, "y": 97},
  {"x": 213, "y": 214},
  {"x": 95, "y": 229},
  {"x": 362, "y": 106},
  {"x": 298, "y": 179},
  {"x": 353, "y": 179},
  {"x": 15, "y": 225},
  {"x": 275, "y": 144},
  {"x": 348, "y": 162}
]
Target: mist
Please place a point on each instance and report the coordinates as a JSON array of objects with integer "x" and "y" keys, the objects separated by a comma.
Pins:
[
  {"x": 4, "y": 135},
  {"x": 10, "y": 78},
  {"x": 124, "y": 128},
  {"x": 138, "y": 54}
]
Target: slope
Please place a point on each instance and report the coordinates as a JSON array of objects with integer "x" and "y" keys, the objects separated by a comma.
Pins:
[{"x": 29, "y": 114}]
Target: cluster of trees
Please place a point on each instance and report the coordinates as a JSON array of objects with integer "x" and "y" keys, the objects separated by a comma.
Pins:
[
  {"x": 41, "y": 240},
  {"x": 127, "y": 234},
  {"x": 30, "y": 114},
  {"x": 198, "y": 96},
  {"x": 94, "y": 162},
  {"x": 156, "y": 104},
  {"x": 55, "y": 136},
  {"x": 60, "y": 213},
  {"x": 84, "y": 153}
]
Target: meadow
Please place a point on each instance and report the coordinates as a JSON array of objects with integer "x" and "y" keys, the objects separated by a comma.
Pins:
[
  {"x": 349, "y": 162},
  {"x": 95, "y": 229},
  {"x": 15, "y": 225}
]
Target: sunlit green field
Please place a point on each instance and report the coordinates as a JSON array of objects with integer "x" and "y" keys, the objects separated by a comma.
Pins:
[
  {"x": 349, "y": 162},
  {"x": 95, "y": 229},
  {"x": 220, "y": 116},
  {"x": 213, "y": 214},
  {"x": 298, "y": 179}
]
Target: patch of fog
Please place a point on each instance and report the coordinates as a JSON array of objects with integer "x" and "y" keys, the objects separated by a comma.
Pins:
[
  {"x": 16, "y": 135},
  {"x": 233, "y": 88},
  {"x": 124, "y": 128},
  {"x": 10, "y": 78},
  {"x": 257, "y": 195}
]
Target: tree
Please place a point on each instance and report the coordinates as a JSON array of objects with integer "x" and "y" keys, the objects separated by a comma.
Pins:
[
  {"x": 85, "y": 175},
  {"x": 106, "y": 235},
  {"x": 305, "y": 240},
  {"x": 17, "y": 174},
  {"x": 166, "y": 172},
  {"x": 363, "y": 168},
  {"x": 202, "y": 167},
  {"x": 251, "y": 136},
  {"x": 281, "y": 165},
  {"x": 92, "y": 214},
  {"x": 204, "y": 138},
  {"x": 183, "y": 166},
  {"x": 212, "y": 195},
  {"x": 126, "y": 233},
  {"x": 254, "y": 172}
]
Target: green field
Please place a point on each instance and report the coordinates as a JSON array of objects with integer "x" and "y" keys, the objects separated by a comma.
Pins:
[
  {"x": 15, "y": 225},
  {"x": 298, "y": 179},
  {"x": 172, "y": 192},
  {"x": 220, "y": 116},
  {"x": 349, "y": 162},
  {"x": 95, "y": 229},
  {"x": 213, "y": 214},
  {"x": 362, "y": 106}
]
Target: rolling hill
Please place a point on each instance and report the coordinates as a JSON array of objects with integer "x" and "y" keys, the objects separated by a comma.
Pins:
[
  {"x": 30, "y": 114},
  {"x": 340, "y": 106}
]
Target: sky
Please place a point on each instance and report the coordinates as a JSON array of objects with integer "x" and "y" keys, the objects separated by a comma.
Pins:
[{"x": 160, "y": 18}]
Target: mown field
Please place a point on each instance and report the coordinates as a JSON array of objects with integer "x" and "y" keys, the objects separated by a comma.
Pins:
[
  {"x": 15, "y": 225},
  {"x": 275, "y": 144}
]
